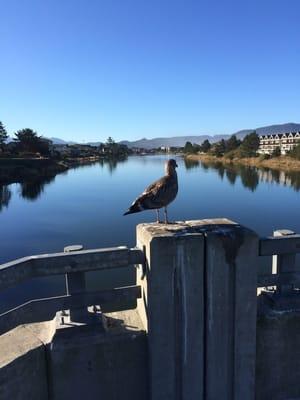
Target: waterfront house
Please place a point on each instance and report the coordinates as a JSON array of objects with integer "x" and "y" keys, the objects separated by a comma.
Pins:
[{"x": 285, "y": 141}]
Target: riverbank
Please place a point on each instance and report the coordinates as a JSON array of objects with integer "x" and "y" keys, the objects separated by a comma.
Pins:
[
  {"x": 283, "y": 163},
  {"x": 19, "y": 170}
]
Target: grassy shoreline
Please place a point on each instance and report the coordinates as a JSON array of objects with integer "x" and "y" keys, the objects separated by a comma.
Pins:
[{"x": 283, "y": 163}]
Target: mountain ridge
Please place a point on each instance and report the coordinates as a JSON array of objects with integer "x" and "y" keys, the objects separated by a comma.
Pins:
[{"x": 179, "y": 141}]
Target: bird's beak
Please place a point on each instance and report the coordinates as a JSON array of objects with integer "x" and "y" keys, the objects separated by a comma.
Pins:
[{"x": 176, "y": 166}]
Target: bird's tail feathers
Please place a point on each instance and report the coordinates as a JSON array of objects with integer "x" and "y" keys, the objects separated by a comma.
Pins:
[{"x": 135, "y": 208}]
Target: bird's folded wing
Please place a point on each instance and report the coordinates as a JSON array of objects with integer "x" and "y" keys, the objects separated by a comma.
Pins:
[{"x": 155, "y": 194}]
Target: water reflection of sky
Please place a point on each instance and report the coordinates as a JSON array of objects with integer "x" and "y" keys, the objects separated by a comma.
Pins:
[
  {"x": 85, "y": 206},
  {"x": 250, "y": 176}
]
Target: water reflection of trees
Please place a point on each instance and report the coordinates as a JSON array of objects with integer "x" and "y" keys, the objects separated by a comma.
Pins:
[
  {"x": 231, "y": 176},
  {"x": 33, "y": 187},
  {"x": 221, "y": 172},
  {"x": 249, "y": 177},
  {"x": 112, "y": 162},
  {"x": 190, "y": 164},
  {"x": 285, "y": 178},
  {"x": 32, "y": 190},
  {"x": 252, "y": 176},
  {"x": 5, "y": 196}
]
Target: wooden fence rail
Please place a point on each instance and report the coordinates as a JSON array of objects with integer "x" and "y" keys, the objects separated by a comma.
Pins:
[
  {"x": 279, "y": 245},
  {"x": 283, "y": 246},
  {"x": 17, "y": 271},
  {"x": 45, "y": 309},
  {"x": 71, "y": 264}
]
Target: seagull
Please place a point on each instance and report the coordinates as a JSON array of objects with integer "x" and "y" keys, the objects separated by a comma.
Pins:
[{"x": 159, "y": 194}]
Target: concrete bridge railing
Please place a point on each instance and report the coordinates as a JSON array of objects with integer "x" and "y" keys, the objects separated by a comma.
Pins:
[
  {"x": 203, "y": 332},
  {"x": 73, "y": 263}
]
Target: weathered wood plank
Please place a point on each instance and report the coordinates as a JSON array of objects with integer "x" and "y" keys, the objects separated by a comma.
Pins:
[
  {"x": 231, "y": 277},
  {"x": 75, "y": 284},
  {"x": 172, "y": 309},
  {"x": 44, "y": 309},
  {"x": 279, "y": 245},
  {"x": 284, "y": 263},
  {"x": 21, "y": 269},
  {"x": 276, "y": 279}
]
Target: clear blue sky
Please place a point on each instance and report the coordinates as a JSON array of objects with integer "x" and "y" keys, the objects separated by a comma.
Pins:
[{"x": 87, "y": 69}]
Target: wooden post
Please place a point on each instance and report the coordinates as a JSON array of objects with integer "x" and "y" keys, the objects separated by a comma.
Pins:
[
  {"x": 284, "y": 263},
  {"x": 75, "y": 283},
  {"x": 199, "y": 308},
  {"x": 231, "y": 285},
  {"x": 172, "y": 309}
]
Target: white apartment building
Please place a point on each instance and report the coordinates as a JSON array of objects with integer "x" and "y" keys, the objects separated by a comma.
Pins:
[{"x": 286, "y": 142}]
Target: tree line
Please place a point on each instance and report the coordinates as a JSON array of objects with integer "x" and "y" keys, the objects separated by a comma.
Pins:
[
  {"x": 113, "y": 149},
  {"x": 236, "y": 148},
  {"x": 231, "y": 148},
  {"x": 26, "y": 140}
]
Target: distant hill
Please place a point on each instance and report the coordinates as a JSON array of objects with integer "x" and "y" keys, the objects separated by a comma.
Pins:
[
  {"x": 95, "y": 144},
  {"x": 179, "y": 141},
  {"x": 54, "y": 140},
  {"x": 267, "y": 130},
  {"x": 60, "y": 141}
]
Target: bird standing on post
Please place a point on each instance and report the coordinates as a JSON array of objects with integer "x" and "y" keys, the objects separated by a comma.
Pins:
[{"x": 159, "y": 194}]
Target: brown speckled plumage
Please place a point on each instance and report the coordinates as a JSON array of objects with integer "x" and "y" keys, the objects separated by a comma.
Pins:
[{"x": 159, "y": 194}]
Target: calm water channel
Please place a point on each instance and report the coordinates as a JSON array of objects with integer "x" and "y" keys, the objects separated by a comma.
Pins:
[{"x": 85, "y": 206}]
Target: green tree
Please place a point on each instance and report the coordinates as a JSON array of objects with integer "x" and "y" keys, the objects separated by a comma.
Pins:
[
  {"x": 232, "y": 143},
  {"x": 3, "y": 135},
  {"x": 219, "y": 148},
  {"x": 205, "y": 146},
  {"x": 28, "y": 140},
  {"x": 111, "y": 146},
  {"x": 123, "y": 149},
  {"x": 196, "y": 147},
  {"x": 276, "y": 152},
  {"x": 115, "y": 149},
  {"x": 43, "y": 146},
  {"x": 295, "y": 153},
  {"x": 110, "y": 141},
  {"x": 250, "y": 145},
  {"x": 188, "y": 148}
]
